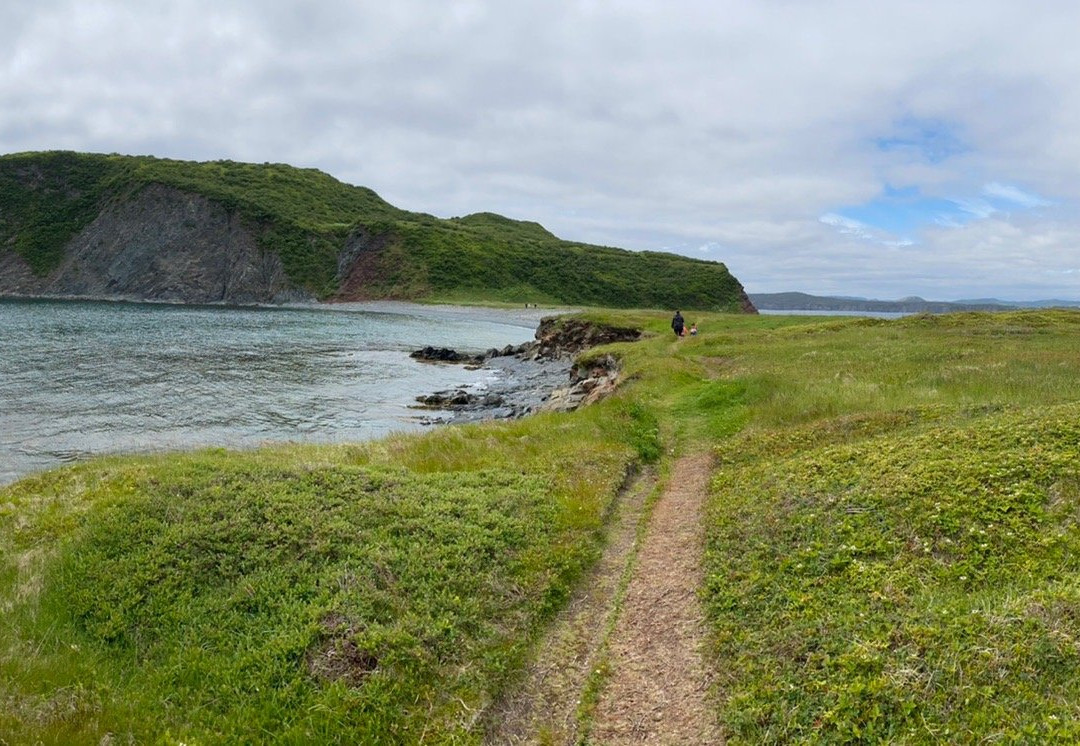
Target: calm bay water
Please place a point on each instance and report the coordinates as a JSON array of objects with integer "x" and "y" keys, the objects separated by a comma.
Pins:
[
  {"x": 79, "y": 378},
  {"x": 872, "y": 314}
]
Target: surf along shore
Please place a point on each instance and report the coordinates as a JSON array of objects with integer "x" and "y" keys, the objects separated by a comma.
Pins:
[
  {"x": 888, "y": 507},
  {"x": 536, "y": 376},
  {"x": 524, "y": 376}
]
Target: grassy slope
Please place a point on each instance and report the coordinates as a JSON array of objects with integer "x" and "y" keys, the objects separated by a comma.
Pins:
[
  {"x": 894, "y": 524},
  {"x": 892, "y": 550},
  {"x": 894, "y": 539},
  {"x": 331, "y": 595},
  {"x": 306, "y": 217}
]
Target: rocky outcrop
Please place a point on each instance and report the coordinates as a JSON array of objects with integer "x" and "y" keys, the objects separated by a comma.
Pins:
[
  {"x": 361, "y": 266},
  {"x": 445, "y": 355},
  {"x": 746, "y": 305},
  {"x": 558, "y": 337},
  {"x": 16, "y": 277},
  {"x": 532, "y": 374},
  {"x": 162, "y": 244},
  {"x": 459, "y": 399},
  {"x": 589, "y": 382}
]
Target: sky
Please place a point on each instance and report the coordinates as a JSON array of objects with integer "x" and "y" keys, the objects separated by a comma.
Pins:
[{"x": 837, "y": 147}]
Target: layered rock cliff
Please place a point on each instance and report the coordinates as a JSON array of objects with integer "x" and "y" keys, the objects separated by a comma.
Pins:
[{"x": 161, "y": 244}]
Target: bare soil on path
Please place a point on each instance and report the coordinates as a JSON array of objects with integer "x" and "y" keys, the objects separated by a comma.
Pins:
[
  {"x": 647, "y": 633},
  {"x": 544, "y": 709},
  {"x": 658, "y": 690}
]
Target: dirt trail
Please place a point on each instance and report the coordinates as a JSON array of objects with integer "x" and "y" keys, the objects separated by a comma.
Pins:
[
  {"x": 657, "y": 693},
  {"x": 656, "y": 690},
  {"x": 544, "y": 708}
]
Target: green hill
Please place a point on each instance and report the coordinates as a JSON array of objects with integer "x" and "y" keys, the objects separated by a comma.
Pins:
[{"x": 333, "y": 240}]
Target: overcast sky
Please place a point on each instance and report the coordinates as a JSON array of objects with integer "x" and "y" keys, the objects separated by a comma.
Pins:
[{"x": 881, "y": 149}]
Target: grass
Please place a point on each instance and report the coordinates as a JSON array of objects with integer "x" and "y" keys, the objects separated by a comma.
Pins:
[
  {"x": 894, "y": 524},
  {"x": 892, "y": 551},
  {"x": 337, "y": 595},
  {"x": 917, "y": 585},
  {"x": 893, "y": 536}
]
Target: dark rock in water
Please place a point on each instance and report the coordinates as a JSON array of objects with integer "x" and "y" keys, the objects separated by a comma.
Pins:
[
  {"x": 509, "y": 350},
  {"x": 448, "y": 355},
  {"x": 445, "y": 355},
  {"x": 447, "y": 399},
  {"x": 534, "y": 376},
  {"x": 460, "y": 399}
]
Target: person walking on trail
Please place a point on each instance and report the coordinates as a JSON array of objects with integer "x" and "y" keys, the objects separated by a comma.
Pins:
[{"x": 677, "y": 324}]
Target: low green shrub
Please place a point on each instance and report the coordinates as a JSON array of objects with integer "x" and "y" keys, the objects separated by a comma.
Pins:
[{"x": 376, "y": 594}]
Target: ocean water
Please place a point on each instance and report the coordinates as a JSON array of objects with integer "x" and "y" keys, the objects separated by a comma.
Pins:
[
  {"x": 871, "y": 314},
  {"x": 79, "y": 379}
]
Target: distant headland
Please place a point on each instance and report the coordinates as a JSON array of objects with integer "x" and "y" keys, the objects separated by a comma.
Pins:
[
  {"x": 804, "y": 302},
  {"x": 144, "y": 228}
]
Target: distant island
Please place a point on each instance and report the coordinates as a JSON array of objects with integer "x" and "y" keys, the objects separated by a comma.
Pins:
[
  {"x": 794, "y": 301},
  {"x": 144, "y": 228}
]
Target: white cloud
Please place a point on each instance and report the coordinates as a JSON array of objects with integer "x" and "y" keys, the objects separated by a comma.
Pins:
[
  {"x": 980, "y": 208},
  {"x": 1014, "y": 194},
  {"x": 732, "y": 124},
  {"x": 846, "y": 225}
]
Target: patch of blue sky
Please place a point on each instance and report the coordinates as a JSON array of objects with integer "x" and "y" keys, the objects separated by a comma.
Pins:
[
  {"x": 929, "y": 140},
  {"x": 903, "y": 213},
  {"x": 900, "y": 213}
]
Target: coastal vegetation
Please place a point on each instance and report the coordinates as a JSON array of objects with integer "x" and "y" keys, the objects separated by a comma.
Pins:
[
  {"x": 338, "y": 241},
  {"x": 376, "y": 593},
  {"x": 893, "y": 540},
  {"x": 892, "y": 549}
]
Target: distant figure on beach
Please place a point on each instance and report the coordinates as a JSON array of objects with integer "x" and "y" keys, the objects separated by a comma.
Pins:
[
  {"x": 693, "y": 330},
  {"x": 678, "y": 324}
]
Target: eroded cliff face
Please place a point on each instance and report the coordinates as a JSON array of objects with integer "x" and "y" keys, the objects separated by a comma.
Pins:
[
  {"x": 360, "y": 266},
  {"x": 162, "y": 244},
  {"x": 558, "y": 337},
  {"x": 16, "y": 278}
]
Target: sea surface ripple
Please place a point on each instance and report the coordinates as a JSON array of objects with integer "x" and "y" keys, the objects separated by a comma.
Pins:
[{"x": 78, "y": 379}]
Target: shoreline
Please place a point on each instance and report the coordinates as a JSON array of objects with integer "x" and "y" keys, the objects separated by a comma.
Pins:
[
  {"x": 520, "y": 386},
  {"x": 512, "y": 315},
  {"x": 528, "y": 317},
  {"x": 542, "y": 375}
]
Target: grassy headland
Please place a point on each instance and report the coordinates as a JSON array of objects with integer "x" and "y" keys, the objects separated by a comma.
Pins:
[
  {"x": 892, "y": 551},
  {"x": 371, "y": 594},
  {"x": 318, "y": 226}
]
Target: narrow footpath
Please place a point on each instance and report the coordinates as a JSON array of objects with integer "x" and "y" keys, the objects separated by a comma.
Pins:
[
  {"x": 657, "y": 693},
  {"x": 544, "y": 710},
  {"x": 644, "y": 631}
]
